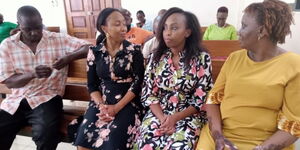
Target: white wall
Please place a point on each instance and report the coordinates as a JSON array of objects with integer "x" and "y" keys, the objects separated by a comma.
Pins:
[
  {"x": 205, "y": 10},
  {"x": 52, "y": 11},
  {"x": 292, "y": 42}
]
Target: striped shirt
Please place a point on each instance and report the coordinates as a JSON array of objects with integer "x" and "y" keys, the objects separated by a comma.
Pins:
[{"x": 16, "y": 57}]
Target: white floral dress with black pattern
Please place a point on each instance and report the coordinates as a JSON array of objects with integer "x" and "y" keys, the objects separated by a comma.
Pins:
[
  {"x": 112, "y": 77},
  {"x": 175, "y": 90}
]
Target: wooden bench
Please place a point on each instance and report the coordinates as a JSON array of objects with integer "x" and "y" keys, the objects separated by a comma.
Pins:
[{"x": 219, "y": 51}]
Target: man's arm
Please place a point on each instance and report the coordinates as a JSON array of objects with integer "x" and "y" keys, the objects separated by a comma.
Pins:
[
  {"x": 78, "y": 54},
  {"x": 19, "y": 80}
]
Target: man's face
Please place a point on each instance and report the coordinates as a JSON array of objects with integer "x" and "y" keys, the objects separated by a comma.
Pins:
[
  {"x": 31, "y": 28},
  {"x": 140, "y": 17}
]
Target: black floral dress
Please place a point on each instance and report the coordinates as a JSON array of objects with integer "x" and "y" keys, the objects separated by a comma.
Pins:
[
  {"x": 112, "y": 77},
  {"x": 175, "y": 90}
]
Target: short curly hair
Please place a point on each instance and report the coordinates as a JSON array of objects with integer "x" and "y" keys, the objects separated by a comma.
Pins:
[{"x": 276, "y": 16}]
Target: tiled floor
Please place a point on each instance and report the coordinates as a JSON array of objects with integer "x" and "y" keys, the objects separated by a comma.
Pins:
[{"x": 25, "y": 143}]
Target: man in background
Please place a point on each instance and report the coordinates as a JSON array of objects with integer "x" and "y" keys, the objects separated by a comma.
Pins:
[
  {"x": 5, "y": 28},
  {"x": 134, "y": 34}
]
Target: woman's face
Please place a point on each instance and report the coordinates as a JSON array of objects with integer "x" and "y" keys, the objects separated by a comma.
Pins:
[
  {"x": 175, "y": 32},
  {"x": 248, "y": 33},
  {"x": 115, "y": 27}
]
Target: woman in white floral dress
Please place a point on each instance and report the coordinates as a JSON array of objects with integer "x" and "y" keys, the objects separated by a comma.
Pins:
[
  {"x": 177, "y": 78},
  {"x": 115, "y": 75}
]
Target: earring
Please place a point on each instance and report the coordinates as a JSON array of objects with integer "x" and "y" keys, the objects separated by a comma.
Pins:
[
  {"x": 259, "y": 37},
  {"x": 107, "y": 35}
]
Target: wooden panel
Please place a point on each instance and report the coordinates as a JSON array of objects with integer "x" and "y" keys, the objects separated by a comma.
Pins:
[
  {"x": 96, "y": 5},
  {"x": 78, "y": 68},
  {"x": 108, "y": 3},
  {"x": 76, "y": 5},
  {"x": 79, "y": 21},
  {"x": 76, "y": 92},
  {"x": 81, "y": 35},
  {"x": 221, "y": 48},
  {"x": 53, "y": 29},
  {"x": 216, "y": 67}
]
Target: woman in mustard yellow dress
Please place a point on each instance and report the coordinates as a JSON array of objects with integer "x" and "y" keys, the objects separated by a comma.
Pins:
[{"x": 255, "y": 102}]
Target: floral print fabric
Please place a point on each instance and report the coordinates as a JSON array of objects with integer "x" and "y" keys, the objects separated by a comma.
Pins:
[
  {"x": 175, "y": 90},
  {"x": 113, "y": 77}
]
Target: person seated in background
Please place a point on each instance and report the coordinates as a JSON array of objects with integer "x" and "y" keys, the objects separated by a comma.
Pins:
[
  {"x": 150, "y": 45},
  {"x": 6, "y": 28},
  {"x": 143, "y": 23},
  {"x": 176, "y": 82},
  {"x": 254, "y": 104},
  {"x": 221, "y": 30},
  {"x": 161, "y": 12},
  {"x": 135, "y": 35},
  {"x": 34, "y": 64}
]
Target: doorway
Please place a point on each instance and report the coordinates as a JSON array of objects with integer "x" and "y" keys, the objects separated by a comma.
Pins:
[{"x": 82, "y": 16}]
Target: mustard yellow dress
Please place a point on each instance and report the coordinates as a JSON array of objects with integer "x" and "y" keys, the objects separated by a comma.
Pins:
[{"x": 256, "y": 99}]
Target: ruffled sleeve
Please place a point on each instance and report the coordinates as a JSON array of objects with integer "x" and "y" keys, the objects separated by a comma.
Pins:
[
  {"x": 138, "y": 71},
  {"x": 289, "y": 116},
  {"x": 216, "y": 95},
  {"x": 150, "y": 89},
  {"x": 204, "y": 84}
]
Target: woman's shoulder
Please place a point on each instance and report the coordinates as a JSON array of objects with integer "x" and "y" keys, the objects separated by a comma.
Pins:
[{"x": 131, "y": 47}]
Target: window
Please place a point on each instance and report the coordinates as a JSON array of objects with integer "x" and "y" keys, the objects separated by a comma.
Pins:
[{"x": 297, "y": 7}]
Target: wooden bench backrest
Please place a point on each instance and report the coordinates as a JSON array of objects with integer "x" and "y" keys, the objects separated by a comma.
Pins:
[{"x": 219, "y": 50}]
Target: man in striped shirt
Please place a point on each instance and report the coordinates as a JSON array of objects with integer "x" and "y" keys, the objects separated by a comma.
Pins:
[{"x": 34, "y": 64}]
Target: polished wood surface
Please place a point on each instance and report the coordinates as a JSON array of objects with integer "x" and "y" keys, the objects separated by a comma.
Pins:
[{"x": 82, "y": 15}]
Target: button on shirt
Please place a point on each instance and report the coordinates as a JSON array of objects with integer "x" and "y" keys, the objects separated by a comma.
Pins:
[{"x": 16, "y": 57}]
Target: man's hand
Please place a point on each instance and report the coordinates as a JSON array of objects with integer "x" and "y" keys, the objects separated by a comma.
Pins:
[
  {"x": 61, "y": 62},
  {"x": 43, "y": 71}
]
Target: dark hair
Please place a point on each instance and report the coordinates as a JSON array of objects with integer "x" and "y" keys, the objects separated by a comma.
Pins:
[
  {"x": 223, "y": 9},
  {"x": 192, "y": 45},
  {"x": 140, "y": 12},
  {"x": 101, "y": 20},
  {"x": 27, "y": 11},
  {"x": 276, "y": 17}
]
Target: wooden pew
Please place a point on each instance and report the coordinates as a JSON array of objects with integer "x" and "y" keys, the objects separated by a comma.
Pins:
[{"x": 219, "y": 50}]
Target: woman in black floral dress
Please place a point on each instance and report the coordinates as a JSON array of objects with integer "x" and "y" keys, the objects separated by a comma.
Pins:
[
  {"x": 115, "y": 74},
  {"x": 177, "y": 79}
]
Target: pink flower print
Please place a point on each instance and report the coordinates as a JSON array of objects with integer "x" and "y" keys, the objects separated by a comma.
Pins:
[
  {"x": 147, "y": 147},
  {"x": 89, "y": 136},
  {"x": 75, "y": 121},
  {"x": 99, "y": 123},
  {"x": 174, "y": 99},
  {"x": 118, "y": 96},
  {"x": 90, "y": 56},
  {"x": 98, "y": 143},
  {"x": 170, "y": 61},
  {"x": 130, "y": 47},
  {"x": 129, "y": 130},
  {"x": 194, "y": 70},
  {"x": 199, "y": 92},
  {"x": 200, "y": 72},
  {"x": 104, "y": 133},
  {"x": 153, "y": 126},
  {"x": 155, "y": 89},
  {"x": 157, "y": 133}
]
